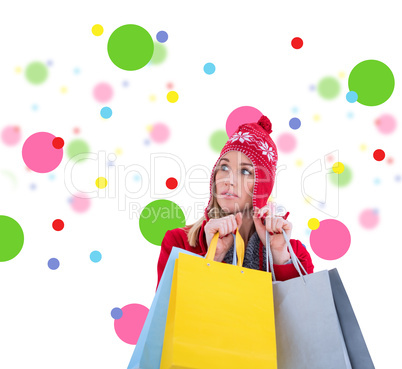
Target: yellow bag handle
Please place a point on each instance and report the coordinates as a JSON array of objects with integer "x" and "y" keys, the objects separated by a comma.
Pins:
[{"x": 238, "y": 243}]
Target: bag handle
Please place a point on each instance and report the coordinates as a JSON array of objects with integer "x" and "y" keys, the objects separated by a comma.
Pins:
[
  {"x": 270, "y": 261},
  {"x": 238, "y": 248}
]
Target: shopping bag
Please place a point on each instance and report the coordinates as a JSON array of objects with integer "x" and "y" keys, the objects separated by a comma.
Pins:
[
  {"x": 308, "y": 330},
  {"x": 356, "y": 346},
  {"x": 148, "y": 350},
  {"x": 220, "y": 316}
]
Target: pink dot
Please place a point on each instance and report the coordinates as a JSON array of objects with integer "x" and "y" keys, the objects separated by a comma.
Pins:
[
  {"x": 129, "y": 326},
  {"x": 386, "y": 123},
  {"x": 39, "y": 154},
  {"x": 80, "y": 202},
  {"x": 368, "y": 218},
  {"x": 11, "y": 135},
  {"x": 103, "y": 92},
  {"x": 160, "y": 132},
  {"x": 286, "y": 142},
  {"x": 239, "y": 116},
  {"x": 331, "y": 240}
]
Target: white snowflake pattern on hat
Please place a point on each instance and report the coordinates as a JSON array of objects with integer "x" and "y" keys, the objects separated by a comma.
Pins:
[
  {"x": 268, "y": 150},
  {"x": 241, "y": 136}
]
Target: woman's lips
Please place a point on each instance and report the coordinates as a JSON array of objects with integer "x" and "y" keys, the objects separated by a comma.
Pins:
[{"x": 229, "y": 196}]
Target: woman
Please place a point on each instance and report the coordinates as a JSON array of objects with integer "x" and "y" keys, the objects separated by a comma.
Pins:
[{"x": 241, "y": 183}]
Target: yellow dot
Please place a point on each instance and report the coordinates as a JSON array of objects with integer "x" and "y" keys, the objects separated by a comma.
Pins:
[
  {"x": 118, "y": 151},
  {"x": 316, "y": 117},
  {"x": 149, "y": 127},
  {"x": 172, "y": 96},
  {"x": 363, "y": 147},
  {"x": 152, "y": 98},
  {"x": 63, "y": 89},
  {"x": 18, "y": 70},
  {"x": 101, "y": 182},
  {"x": 97, "y": 30},
  {"x": 313, "y": 224},
  {"x": 338, "y": 167},
  {"x": 342, "y": 74},
  {"x": 299, "y": 162}
]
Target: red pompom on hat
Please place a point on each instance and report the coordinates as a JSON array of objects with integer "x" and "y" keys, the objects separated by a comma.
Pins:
[{"x": 253, "y": 140}]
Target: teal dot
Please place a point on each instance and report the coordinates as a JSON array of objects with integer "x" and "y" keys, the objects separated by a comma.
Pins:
[
  {"x": 209, "y": 68},
  {"x": 106, "y": 112},
  {"x": 95, "y": 256},
  {"x": 351, "y": 96}
]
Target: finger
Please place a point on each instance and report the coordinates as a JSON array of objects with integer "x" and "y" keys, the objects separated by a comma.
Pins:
[
  {"x": 268, "y": 225},
  {"x": 264, "y": 211},
  {"x": 233, "y": 223},
  {"x": 272, "y": 209},
  {"x": 278, "y": 225}
]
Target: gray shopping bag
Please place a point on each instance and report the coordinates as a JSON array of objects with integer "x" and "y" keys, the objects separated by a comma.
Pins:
[
  {"x": 356, "y": 346},
  {"x": 308, "y": 332}
]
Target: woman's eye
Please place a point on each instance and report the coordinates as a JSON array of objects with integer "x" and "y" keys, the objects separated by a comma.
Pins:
[
  {"x": 247, "y": 171},
  {"x": 223, "y": 167}
]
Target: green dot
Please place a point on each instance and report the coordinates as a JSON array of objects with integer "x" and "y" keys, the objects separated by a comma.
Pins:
[
  {"x": 342, "y": 179},
  {"x": 373, "y": 82},
  {"x": 160, "y": 53},
  {"x": 11, "y": 238},
  {"x": 130, "y": 47},
  {"x": 36, "y": 73},
  {"x": 158, "y": 217},
  {"x": 77, "y": 150},
  {"x": 218, "y": 140},
  {"x": 328, "y": 88}
]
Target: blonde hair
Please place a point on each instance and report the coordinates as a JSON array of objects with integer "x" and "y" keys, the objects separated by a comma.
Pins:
[{"x": 193, "y": 230}]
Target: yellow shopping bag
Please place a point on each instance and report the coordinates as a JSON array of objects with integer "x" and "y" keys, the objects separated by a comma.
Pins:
[{"x": 220, "y": 316}]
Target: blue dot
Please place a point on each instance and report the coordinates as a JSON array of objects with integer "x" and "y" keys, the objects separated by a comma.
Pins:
[
  {"x": 116, "y": 313},
  {"x": 137, "y": 177},
  {"x": 350, "y": 115},
  {"x": 77, "y": 71},
  {"x": 295, "y": 110},
  {"x": 32, "y": 186},
  {"x": 52, "y": 176},
  {"x": 312, "y": 87},
  {"x": 351, "y": 96},
  {"x": 295, "y": 123},
  {"x": 95, "y": 256},
  {"x": 162, "y": 36},
  {"x": 209, "y": 68},
  {"x": 377, "y": 181},
  {"x": 106, "y": 112},
  {"x": 397, "y": 178},
  {"x": 125, "y": 83},
  {"x": 147, "y": 141},
  {"x": 53, "y": 263},
  {"x": 35, "y": 107}
]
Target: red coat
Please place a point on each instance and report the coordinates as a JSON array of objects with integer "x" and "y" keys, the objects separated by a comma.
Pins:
[{"x": 178, "y": 238}]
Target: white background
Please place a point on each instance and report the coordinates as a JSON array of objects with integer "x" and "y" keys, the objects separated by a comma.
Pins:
[{"x": 62, "y": 318}]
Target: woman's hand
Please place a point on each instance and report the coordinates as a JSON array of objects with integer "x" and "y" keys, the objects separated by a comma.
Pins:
[
  {"x": 225, "y": 226},
  {"x": 275, "y": 225}
]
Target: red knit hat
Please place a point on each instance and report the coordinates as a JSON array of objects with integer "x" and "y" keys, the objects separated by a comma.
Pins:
[{"x": 253, "y": 140}]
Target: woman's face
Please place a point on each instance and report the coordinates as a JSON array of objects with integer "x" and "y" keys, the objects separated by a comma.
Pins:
[{"x": 235, "y": 175}]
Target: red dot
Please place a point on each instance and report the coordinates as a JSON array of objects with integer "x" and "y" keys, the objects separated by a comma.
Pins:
[
  {"x": 58, "y": 224},
  {"x": 379, "y": 155},
  {"x": 171, "y": 183},
  {"x": 58, "y": 143},
  {"x": 297, "y": 43},
  {"x": 390, "y": 160},
  {"x": 76, "y": 130},
  {"x": 169, "y": 86}
]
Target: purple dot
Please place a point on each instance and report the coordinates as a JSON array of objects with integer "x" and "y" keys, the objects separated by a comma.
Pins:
[
  {"x": 116, "y": 313},
  {"x": 162, "y": 36},
  {"x": 53, "y": 263}
]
